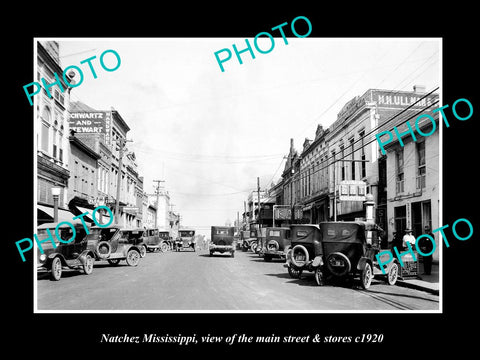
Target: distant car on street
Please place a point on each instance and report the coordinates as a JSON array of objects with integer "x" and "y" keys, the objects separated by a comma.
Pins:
[
  {"x": 222, "y": 240},
  {"x": 185, "y": 240},
  {"x": 111, "y": 243},
  {"x": 73, "y": 254}
]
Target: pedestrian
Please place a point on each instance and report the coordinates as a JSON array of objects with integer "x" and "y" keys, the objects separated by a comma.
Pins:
[
  {"x": 396, "y": 241},
  {"x": 426, "y": 246},
  {"x": 408, "y": 237}
]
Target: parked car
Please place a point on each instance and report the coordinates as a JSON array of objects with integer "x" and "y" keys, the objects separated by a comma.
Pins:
[
  {"x": 166, "y": 242},
  {"x": 151, "y": 239},
  {"x": 349, "y": 250},
  {"x": 249, "y": 240},
  {"x": 222, "y": 240},
  {"x": 135, "y": 237},
  {"x": 306, "y": 250},
  {"x": 277, "y": 243},
  {"x": 185, "y": 240},
  {"x": 111, "y": 243},
  {"x": 73, "y": 254}
]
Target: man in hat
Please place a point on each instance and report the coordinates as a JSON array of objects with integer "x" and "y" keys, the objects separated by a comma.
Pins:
[
  {"x": 426, "y": 246},
  {"x": 408, "y": 237}
]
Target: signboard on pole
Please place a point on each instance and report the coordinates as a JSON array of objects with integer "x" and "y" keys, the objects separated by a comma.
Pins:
[{"x": 352, "y": 190}]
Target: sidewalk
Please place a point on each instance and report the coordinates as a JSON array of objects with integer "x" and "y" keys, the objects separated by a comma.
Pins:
[{"x": 429, "y": 283}]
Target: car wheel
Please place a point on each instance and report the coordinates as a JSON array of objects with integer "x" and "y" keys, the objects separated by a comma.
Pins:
[
  {"x": 164, "y": 247},
  {"x": 366, "y": 276},
  {"x": 88, "y": 265},
  {"x": 392, "y": 275},
  {"x": 113, "y": 261},
  {"x": 253, "y": 247},
  {"x": 56, "y": 269},
  {"x": 103, "y": 249},
  {"x": 338, "y": 264},
  {"x": 319, "y": 278},
  {"x": 300, "y": 256},
  {"x": 133, "y": 257},
  {"x": 294, "y": 273}
]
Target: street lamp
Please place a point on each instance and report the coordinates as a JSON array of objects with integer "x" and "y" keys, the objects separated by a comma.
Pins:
[{"x": 55, "y": 193}]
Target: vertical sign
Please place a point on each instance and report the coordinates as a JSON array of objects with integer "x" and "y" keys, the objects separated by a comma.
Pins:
[{"x": 409, "y": 215}]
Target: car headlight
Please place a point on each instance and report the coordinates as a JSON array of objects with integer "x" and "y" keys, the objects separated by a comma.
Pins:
[{"x": 43, "y": 257}]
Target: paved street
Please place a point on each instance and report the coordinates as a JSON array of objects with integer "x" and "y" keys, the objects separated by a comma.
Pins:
[{"x": 195, "y": 281}]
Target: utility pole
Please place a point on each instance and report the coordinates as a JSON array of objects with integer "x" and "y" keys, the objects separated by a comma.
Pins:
[
  {"x": 157, "y": 191},
  {"x": 258, "y": 193},
  {"x": 121, "y": 149}
]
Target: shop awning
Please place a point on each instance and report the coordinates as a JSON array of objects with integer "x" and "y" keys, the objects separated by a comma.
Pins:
[
  {"x": 45, "y": 214},
  {"x": 89, "y": 217}
]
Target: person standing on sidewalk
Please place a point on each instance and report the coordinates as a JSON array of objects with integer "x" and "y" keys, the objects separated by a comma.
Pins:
[
  {"x": 408, "y": 237},
  {"x": 425, "y": 244}
]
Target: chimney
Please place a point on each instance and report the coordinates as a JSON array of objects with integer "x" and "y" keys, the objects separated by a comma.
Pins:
[{"x": 419, "y": 89}]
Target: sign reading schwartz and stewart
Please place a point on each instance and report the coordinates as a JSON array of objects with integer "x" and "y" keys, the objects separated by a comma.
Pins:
[{"x": 98, "y": 122}]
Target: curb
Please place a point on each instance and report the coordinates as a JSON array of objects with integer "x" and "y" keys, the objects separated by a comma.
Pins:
[{"x": 405, "y": 283}]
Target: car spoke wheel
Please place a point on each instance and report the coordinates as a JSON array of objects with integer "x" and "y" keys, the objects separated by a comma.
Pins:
[
  {"x": 294, "y": 273},
  {"x": 319, "y": 279},
  {"x": 164, "y": 247},
  {"x": 113, "y": 261},
  {"x": 253, "y": 247},
  {"x": 133, "y": 257},
  {"x": 366, "y": 276},
  {"x": 56, "y": 270},
  {"x": 392, "y": 274},
  {"x": 143, "y": 251},
  {"x": 88, "y": 265}
]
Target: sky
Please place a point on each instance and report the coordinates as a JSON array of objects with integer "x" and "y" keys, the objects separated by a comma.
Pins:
[{"x": 209, "y": 134}]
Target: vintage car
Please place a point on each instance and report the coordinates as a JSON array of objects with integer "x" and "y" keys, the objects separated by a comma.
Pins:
[
  {"x": 185, "y": 240},
  {"x": 249, "y": 240},
  {"x": 73, "y": 254},
  {"x": 166, "y": 242},
  {"x": 222, "y": 240},
  {"x": 305, "y": 251},
  {"x": 151, "y": 239},
  {"x": 277, "y": 243},
  {"x": 111, "y": 243},
  {"x": 135, "y": 237},
  {"x": 349, "y": 251},
  {"x": 157, "y": 240}
]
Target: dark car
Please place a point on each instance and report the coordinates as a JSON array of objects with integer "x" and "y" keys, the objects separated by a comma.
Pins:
[
  {"x": 306, "y": 250},
  {"x": 277, "y": 243},
  {"x": 222, "y": 240},
  {"x": 151, "y": 239},
  {"x": 249, "y": 240},
  {"x": 73, "y": 254},
  {"x": 111, "y": 243},
  {"x": 185, "y": 240},
  {"x": 166, "y": 242},
  {"x": 349, "y": 251},
  {"x": 136, "y": 237}
]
